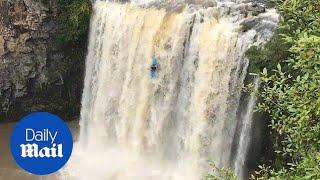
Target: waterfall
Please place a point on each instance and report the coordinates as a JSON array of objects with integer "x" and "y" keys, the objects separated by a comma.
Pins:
[
  {"x": 135, "y": 127},
  {"x": 245, "y": 135}
]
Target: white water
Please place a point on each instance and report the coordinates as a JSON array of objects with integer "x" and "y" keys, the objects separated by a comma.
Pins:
[
  {"x": 245, "y": 135},
  {"x": 136, "y": 128}
]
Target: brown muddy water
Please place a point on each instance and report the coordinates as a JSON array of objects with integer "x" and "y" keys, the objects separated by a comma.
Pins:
[{"x": 9, "y": 170}]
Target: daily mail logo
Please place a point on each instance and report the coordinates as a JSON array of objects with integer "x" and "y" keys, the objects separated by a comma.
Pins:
[
  {"x": 33, "y": 150},
  {"x": 41, "y": 143}
]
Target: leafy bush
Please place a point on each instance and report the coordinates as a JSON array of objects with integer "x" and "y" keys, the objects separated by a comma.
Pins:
[
  {"x": 74, "y": 20},
  {"x": 277, "y": 48},
  {"x": 290, "y": 93},
  {"x": 220, "y": 174}
]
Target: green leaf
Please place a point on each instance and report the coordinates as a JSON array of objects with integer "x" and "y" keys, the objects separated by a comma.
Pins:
[
  {"x": 279, "y": 67},
  {"x": 265, "y": 71}
]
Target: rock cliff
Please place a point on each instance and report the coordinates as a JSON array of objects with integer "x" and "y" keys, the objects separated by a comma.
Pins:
[{"x": 32, "y": 63}]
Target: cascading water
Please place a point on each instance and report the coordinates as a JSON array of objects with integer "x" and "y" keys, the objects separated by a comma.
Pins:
[
  {"x": 135, "y": 127},
  {"x": 246, "y": 132}
]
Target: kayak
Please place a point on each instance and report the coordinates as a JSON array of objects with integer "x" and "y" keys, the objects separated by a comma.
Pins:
[
  {"x": 153, "y": 74},
  {"x": 153, "y": 68}
]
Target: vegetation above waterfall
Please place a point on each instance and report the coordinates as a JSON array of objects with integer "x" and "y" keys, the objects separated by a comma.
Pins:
[
  {"x": 290, "y": 91},
  {"x": 74, "y": 20}
]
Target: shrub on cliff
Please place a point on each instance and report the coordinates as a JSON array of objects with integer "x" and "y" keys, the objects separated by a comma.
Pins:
[
  {"x": 74, "y": 20},
  {"x": 220, "y": 174},
  {"x": 291, "y": 95}
]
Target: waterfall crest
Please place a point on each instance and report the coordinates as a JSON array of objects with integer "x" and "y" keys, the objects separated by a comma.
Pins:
[{"x": 135, "y": 127}]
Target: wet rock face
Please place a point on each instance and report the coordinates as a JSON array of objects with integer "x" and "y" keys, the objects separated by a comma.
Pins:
[{"x": 27, "y": 28}]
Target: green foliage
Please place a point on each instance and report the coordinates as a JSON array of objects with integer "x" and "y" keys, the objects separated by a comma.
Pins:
[
  {"x": 290, "y": 92},
  {"x": 220, "y": 174},
  {"x": 74, "y": 20},
  {"x": 277, "y": 48},
  {"x": 308, "y": 168}
]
